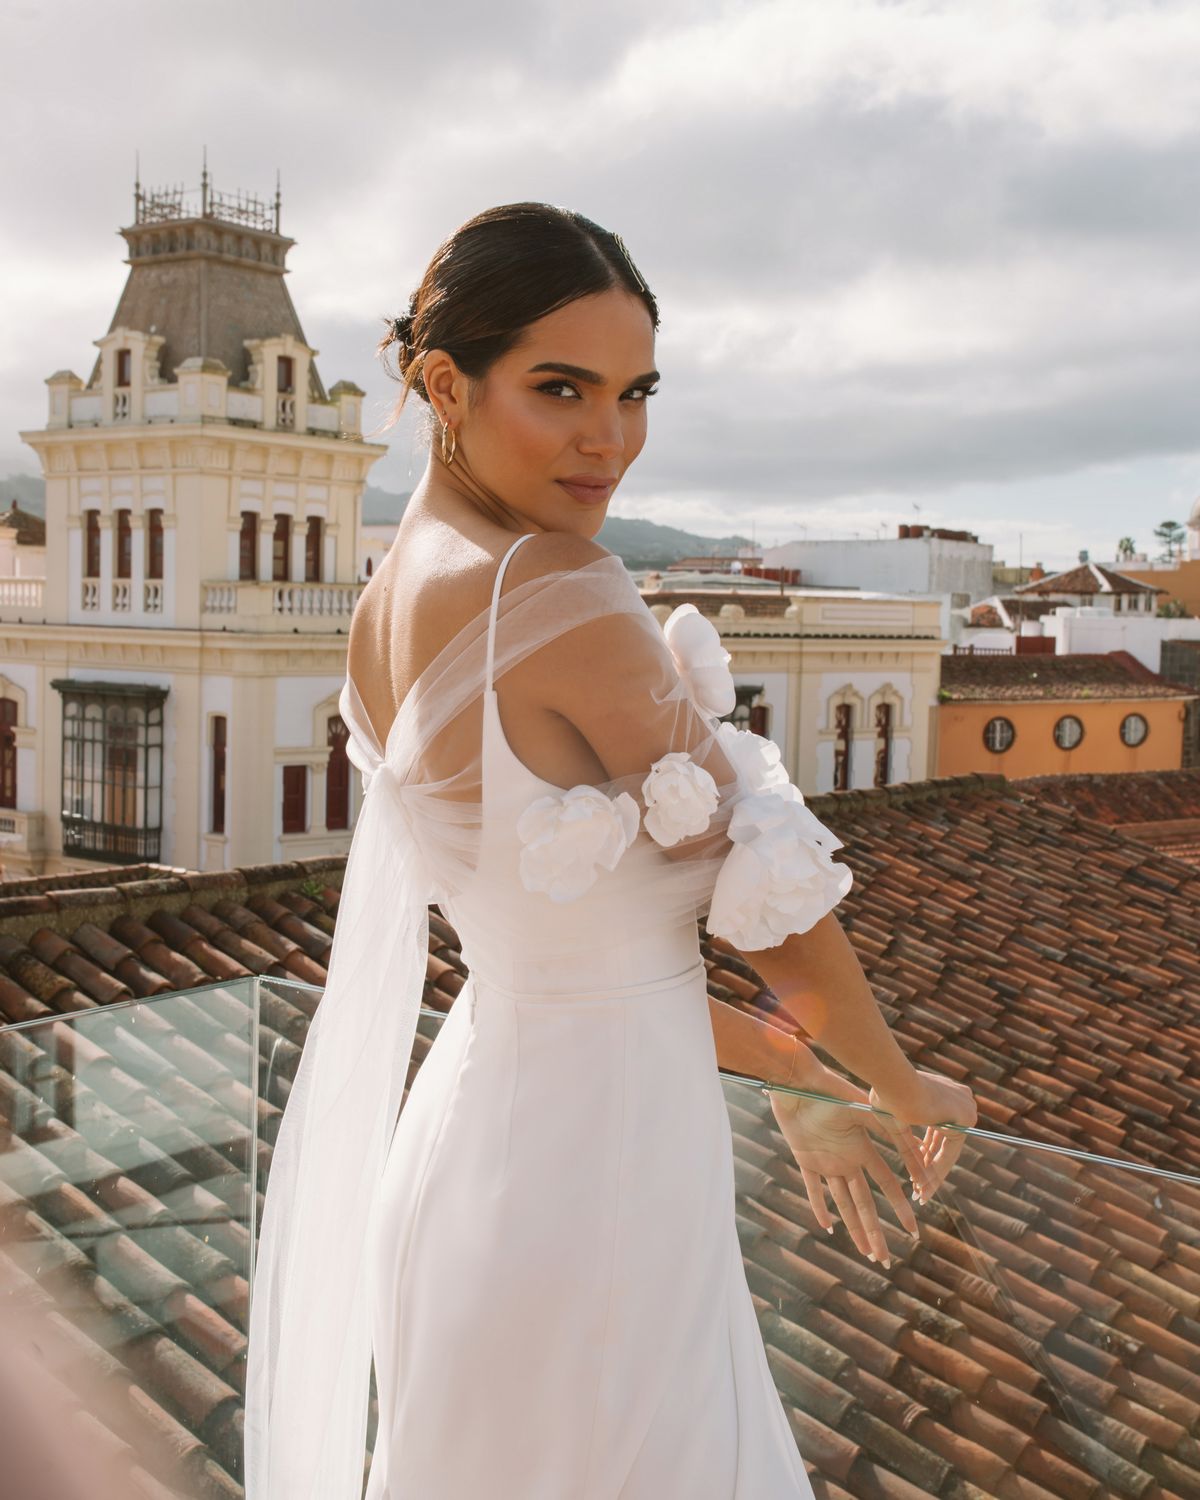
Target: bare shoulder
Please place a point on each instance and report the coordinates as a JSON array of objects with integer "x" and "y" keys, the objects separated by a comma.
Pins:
[{"x": 549, "y": 552}]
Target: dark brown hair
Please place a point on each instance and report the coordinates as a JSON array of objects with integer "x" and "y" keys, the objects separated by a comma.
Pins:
[{"x": 497, "y": 273}]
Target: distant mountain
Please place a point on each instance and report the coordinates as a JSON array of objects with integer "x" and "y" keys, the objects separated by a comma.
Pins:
[
  {"x": 646, "y": 544},
  {"x": 639, "y": 544},
  {"x": 383, "y": 507}
]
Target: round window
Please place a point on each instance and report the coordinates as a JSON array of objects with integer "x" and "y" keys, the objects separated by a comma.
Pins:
[
  {"x": 998, "y": 734},
  {"x": 1068, "y": 732},
  {"x": 1134, "y": 729}
]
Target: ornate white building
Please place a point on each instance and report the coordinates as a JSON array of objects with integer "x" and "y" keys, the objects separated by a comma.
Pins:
[{"x": 168, "y": 689}]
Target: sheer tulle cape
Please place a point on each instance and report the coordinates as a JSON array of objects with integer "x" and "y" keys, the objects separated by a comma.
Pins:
[{"x": 725, "y": 820}]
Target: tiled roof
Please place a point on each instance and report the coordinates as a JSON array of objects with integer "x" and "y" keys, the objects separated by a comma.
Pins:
[
  {"x": 763, "y": 603},
  {"x": 31, "y": 529},
  {"x": 1161, "y": 807},
  {"x": 1040, "y": 1338},
  {"x": 1106, "y": 674},
  {"x": 1088, "y": 578},
  {"x": 999, "y": 611}
]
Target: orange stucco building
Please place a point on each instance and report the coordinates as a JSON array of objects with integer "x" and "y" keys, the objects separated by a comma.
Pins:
[
  {"x": 1180, "y": 583},
  {"x": 1050, "y": 715}
]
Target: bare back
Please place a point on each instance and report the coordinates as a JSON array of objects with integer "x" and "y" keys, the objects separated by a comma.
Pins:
[{"x": 436, "y": 579}]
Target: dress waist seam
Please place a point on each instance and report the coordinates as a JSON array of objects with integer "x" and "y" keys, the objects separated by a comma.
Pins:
[{"x": 595, "y": 993}]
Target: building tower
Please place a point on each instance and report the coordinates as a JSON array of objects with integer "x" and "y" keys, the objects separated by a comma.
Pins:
[{"x": 169, "y": 688}]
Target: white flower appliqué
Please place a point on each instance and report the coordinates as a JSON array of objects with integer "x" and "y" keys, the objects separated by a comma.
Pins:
[
  {"x": 567, "y": 836},
  {"x": 779, "y": 877},
  {"x": 680, "y": 796},
  {"x": 756, "y": 760},
  {"x": 701, "y": 660}
]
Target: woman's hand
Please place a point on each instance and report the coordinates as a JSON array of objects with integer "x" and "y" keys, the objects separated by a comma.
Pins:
[
  {"x": 931, "y": 1100},
  {"x": 832, "y": 1145}
]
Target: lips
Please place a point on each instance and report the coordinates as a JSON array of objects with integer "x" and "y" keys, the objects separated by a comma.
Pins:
[{"x": 587, "y": 488}]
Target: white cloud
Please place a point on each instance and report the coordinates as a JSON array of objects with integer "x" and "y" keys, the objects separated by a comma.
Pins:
[{"x": 906, "y": 251}]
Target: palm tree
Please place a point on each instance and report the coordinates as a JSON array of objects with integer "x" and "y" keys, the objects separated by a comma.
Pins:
[{"x": 1126, "y": 547}]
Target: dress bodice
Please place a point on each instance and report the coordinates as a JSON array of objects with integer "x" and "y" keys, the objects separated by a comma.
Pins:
[{"x": 520, "y": 939}]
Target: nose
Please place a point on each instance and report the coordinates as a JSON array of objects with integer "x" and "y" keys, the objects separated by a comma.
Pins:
[{"x": 605, "y": 433}]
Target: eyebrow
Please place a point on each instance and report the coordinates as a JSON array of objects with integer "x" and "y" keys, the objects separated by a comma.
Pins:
[{"x": 589, "y": 377}]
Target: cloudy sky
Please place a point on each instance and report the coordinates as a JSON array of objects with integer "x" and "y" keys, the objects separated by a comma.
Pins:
[{"x": 915, "y": 260}]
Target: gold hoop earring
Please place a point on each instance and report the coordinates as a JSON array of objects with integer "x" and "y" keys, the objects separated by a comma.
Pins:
[{"x": 448, "y": 458}]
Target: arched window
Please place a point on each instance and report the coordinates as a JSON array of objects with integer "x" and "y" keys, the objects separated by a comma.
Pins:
[
  {"x": 281, "y": 552},
  {"x": 337, "y": 776},
  {"x": 154, "y": 543},
  {"x": 248, "y": 546},
  {"x": 843, "y": 723},
  {"x": 91, "y": 551},
  {"x": 883, "y": 743},
  {"x": 295, "y": 799},
  {"x": 218, "y": 773},
  {"x": 8, "y": 752},
  {"x": 312, "y": 550},
  {"x": 124, "y": 545}
]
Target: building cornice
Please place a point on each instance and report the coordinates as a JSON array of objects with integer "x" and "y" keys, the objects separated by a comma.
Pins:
[
  {"x": 137, "y": 648},
  {"x": 219, "y": 431}
]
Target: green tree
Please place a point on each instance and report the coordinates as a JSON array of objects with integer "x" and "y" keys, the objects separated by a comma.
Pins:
[
  {"x": 1126, "y": 547},
  {"x": 1171, "y": 535}
]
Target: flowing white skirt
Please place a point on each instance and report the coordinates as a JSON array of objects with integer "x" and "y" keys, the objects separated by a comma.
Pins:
[{"x": 559, "y": 1305}]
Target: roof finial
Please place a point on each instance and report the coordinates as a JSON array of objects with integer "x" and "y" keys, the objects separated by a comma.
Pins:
[
  {"x": 137, "y": 186},
  {"x": 277, "y": 199},
  {"x": 204, "y": 186}
]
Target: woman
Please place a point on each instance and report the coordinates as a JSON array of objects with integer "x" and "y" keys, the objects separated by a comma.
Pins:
[{"x": 541, "y": 1255}]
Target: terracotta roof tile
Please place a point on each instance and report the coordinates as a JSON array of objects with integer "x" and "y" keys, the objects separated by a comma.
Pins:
[
  {"x": 1043, "y": 956},
  {"x": 1091, "y": 675}
]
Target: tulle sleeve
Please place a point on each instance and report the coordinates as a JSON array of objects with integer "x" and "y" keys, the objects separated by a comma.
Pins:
[{"x": 698, "y": 811}]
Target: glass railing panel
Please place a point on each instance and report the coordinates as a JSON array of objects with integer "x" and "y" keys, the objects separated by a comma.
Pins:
[
  {"x": 128, "y": 1144},
  {"x": 1039, "y": 1336}
]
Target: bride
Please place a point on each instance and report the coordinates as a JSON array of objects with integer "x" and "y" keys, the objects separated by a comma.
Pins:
[{"x": 539, "y": 1253}]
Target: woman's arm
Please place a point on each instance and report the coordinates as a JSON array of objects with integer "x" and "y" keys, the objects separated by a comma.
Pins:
[
  {"x": 818, "y": 978},
  {"x": 757, "y": 1048}
]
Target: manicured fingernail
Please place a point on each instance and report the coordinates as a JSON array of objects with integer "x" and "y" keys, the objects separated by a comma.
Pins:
[
  {"x": 870, "y": 1255},
  {"x": 829, "y": 1229}
]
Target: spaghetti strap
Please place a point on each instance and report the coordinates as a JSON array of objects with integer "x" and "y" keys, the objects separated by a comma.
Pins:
[{"x": 491, "y": 641}]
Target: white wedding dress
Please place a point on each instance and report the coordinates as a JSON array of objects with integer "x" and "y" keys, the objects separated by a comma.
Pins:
[{"x": 551, "y": 1280}]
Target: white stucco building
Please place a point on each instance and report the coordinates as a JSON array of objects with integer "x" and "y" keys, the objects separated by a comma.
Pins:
[
  {"x": 952, "y": 566},
  {"x": 168, "y": 687},
  {"x": 843, "y": 680}
]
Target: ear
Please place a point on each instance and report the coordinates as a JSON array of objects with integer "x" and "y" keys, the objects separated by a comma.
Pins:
[{"x": 446, "y": 385}]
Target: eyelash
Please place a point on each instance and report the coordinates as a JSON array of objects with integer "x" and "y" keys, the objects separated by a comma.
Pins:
[{"x": 554, "y": 385}]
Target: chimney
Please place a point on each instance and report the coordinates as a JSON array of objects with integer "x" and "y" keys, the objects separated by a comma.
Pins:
[{"x": 1036, "y": 572}]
